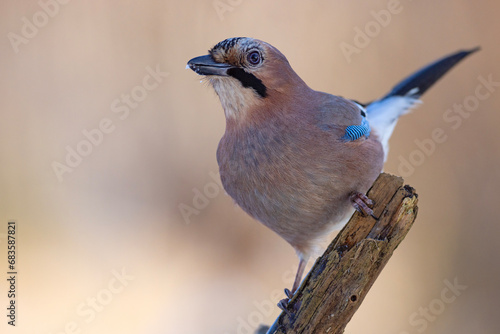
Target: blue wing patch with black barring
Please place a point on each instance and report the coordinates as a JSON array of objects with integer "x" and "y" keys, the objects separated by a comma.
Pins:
[{"x": 353, "y": 132}]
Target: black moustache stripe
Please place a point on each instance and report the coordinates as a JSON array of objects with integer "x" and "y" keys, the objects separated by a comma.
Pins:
[{"x": 248, "y": 80}]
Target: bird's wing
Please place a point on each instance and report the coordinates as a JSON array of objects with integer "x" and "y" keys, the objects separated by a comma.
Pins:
[
  {"x": 347, "y": 117},
  {"x": 356, "y": 131}
]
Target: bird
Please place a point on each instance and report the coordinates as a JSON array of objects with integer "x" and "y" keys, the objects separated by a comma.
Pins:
[{"x": 300, "y": 161}]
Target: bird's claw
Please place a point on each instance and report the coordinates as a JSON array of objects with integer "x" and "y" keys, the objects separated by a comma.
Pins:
[
  {"x": 362, "y": 203},
  {"x": 283, "y": 305}
]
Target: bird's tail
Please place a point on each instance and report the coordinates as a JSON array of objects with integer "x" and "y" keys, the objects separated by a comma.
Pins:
[{"x": 383, "y": 113}]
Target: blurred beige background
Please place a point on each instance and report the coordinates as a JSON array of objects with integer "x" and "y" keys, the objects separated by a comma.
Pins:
[{"x": 106, "y": 248}]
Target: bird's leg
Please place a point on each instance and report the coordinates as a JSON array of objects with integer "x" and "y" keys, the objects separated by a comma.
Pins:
[
  {"x": 362, "y": 203},
  {"x": 298, "y": 276},
  {"x": 283, "y": 304}
]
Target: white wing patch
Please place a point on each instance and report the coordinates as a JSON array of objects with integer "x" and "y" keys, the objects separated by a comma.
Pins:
[{"x": 384, "y": 114}]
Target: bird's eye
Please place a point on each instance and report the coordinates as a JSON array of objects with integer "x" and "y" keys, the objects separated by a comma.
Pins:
[{"x": 254, "y": 57}]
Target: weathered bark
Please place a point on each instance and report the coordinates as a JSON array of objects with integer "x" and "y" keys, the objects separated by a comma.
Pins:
[{"x": 340, "y": 279}]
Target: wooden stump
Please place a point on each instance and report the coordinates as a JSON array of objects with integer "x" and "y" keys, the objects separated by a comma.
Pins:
[{"x": 340, "y": 279}]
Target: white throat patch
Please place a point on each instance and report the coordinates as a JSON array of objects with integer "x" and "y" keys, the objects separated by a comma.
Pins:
[{"x": 235, "y": 98}]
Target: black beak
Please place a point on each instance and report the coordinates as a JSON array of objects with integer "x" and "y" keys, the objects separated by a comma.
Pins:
[{"x": 206, "y": 65}]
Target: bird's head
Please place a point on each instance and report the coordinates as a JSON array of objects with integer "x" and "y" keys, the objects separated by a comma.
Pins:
[{"x": 245, "y": 73}]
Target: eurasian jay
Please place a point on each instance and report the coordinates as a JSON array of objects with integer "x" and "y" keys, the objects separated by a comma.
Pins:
[{"x": 298, "y": 160}]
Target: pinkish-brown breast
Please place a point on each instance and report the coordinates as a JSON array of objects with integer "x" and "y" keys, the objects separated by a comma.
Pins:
[{"x": 293, "y": 173}]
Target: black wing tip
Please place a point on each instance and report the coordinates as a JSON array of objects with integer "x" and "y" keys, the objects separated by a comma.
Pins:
[
  {"x": 474, "y": 49},
  {"x": 464, "y": 53},
  {"x": 427, "y": 76}
]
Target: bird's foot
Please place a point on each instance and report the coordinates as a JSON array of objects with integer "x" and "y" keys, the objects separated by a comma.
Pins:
[
  {"x": 362, "y": 203},
  {"x": 284, "y": 304}
]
